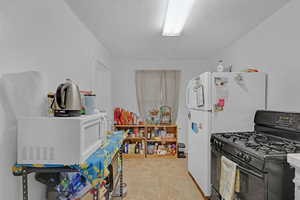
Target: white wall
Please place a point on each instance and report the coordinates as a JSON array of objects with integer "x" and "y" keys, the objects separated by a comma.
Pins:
[
  {"x": 103, "y": 88},
  {"x": 273, "y": 47},
  {"x": 45, "y": 36},
  {"x": 123, "y": 84}
]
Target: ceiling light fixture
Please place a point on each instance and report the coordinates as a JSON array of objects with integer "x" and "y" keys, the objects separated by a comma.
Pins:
[{"x": 177, "y": 14}]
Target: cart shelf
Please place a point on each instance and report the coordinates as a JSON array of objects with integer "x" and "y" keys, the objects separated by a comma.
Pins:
[{"x": 97, "y": 162}]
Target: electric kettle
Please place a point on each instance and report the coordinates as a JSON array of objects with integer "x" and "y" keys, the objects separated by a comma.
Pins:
[{"x": 68, "y": 100}]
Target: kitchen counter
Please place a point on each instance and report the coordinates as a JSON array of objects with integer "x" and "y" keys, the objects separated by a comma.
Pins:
[{"x": 294, "y": 161}]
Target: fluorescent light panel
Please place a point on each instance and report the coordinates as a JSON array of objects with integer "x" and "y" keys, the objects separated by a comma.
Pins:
[{"x": 177, "y": 14}]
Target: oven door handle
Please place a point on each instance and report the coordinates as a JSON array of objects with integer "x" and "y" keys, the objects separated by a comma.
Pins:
[{"x": 251, "y": 172}]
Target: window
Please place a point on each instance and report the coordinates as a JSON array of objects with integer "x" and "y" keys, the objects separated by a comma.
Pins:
[{"x": 157, "y": 88}]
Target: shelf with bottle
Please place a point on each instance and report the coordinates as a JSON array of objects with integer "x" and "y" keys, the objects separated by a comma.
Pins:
[
  {"x": 125, "y": 117},
  {"x": 162, "y": 140},
  {"x": 160, "y": 134},
  {"x": 149, "y": 135},
  {"x": 130, "y": 126},
  {"x": 134, "y": 138},
  {"x": 155, "y": 149},
  {"x": 134, "y": 149},
  {"x": 145, "y": 125},
  {"x": 135, "y": 133},
  {"x": 127, "y": 156}
]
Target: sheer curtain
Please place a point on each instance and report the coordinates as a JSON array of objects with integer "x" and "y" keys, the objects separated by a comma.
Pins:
[{"x": 155, "y": 88}]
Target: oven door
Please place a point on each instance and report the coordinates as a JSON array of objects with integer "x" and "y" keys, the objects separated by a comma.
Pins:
[
  {"x": 252, "y": 182},
  {"x": 215, "y": 170},
  {"x": 252, "y": 185}
]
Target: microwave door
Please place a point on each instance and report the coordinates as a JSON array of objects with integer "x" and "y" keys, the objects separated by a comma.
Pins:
[{"x": 91, "y": 140}]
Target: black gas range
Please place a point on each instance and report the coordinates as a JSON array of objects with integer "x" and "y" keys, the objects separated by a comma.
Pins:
[{"x": 261, "y": 157}]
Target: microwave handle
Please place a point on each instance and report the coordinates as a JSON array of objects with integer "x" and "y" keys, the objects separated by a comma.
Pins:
[
  {"x": 103, "y": 127},
  {"x": 100, "y": 128},
  {"x": 91, "y": 123}
]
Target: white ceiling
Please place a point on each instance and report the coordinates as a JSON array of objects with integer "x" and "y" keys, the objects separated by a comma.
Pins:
[{"x": 132, "y": 28}]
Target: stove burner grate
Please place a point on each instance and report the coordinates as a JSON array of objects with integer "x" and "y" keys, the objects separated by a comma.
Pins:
[
  {"x": 269, "y": 145},
  {"x": 263, "y": 143}
]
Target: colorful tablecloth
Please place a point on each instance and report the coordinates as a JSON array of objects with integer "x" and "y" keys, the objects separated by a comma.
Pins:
[{"x": 95, "y": 167}]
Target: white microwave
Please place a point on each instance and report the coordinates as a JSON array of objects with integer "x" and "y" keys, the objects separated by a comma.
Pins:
[{"x": 59, "y": 140}]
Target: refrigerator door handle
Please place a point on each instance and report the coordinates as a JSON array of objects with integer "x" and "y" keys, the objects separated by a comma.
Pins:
[
  {"x": 200, "y": 97},
  {"x": 187, "y": 97}
]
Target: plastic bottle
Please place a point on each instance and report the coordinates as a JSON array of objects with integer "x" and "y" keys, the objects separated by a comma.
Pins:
[{"x": 126, "y": 148}]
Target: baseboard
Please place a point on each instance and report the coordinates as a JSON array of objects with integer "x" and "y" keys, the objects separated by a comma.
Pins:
[{"x": 200, "y": 190}]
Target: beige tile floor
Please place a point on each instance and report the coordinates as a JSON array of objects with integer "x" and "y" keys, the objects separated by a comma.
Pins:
[{"x": 159, "y": 179}]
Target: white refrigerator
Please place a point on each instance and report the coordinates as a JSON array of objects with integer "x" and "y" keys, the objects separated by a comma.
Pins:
[{"x": 219, "y": 102}]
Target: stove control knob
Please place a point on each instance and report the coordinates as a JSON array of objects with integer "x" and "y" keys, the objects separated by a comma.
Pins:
[
  {"x": 222, "y": 145},
  {"x": 216, "y": 143},
  {"x": 247, "y": 158},
  {"x": 240, "y": 154}
]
